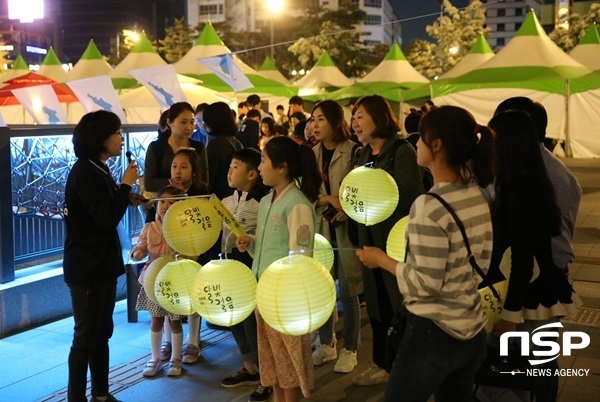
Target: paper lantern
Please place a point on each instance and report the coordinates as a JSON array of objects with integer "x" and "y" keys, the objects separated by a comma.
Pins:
[
  {"x": 492, "y": 307},
  {"x": 322, "y": 251},
  {"x": 191, "y": 226},
  {"x": 174, "y": 284},
  {"x": 396, "y": 241},
  {"x": 368, "y": 196},
  {"x": 224, "y": 292},
  {"x": 150, "y": 275},
  {"x": 295, "y": 295}
]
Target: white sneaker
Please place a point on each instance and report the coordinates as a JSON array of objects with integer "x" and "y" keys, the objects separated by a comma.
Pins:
[
  {"x": 371, "y": 376},
  {"x": 324, "y": 354},
  {"x": 346, "y": 362}
]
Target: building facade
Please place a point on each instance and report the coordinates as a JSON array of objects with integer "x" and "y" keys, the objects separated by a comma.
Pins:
[
  {"x": 505, "y": 19},
  {"x": 254, "y": 15},
  {"x": 556, "y": 13}
]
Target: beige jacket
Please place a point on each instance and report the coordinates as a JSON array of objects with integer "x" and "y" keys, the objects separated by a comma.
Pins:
[{"x": 346, "y": 259}]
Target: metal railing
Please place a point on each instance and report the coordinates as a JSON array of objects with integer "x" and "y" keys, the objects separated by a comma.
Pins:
[{"x": 40, "y": 160}]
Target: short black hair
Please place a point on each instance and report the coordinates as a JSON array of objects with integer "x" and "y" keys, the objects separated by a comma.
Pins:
[
  {"x": 279, "y": 107},
  {"x": 279, "y": 129},
  {"x": 201, "y": 107},
  {"x": 242, "y": 104},
  {"x": 253, "y": 113},
  {"x": 219, "y": 119},
  {"x": 535, "y": 110},
  {"x": 249, "y": 156},
  {"x": 299, "y": 115},
  {"x": 296, "y": 100},
  {"x": 177, "y": 108},
  {"x": 411, "y": 122},
  {"x": 92, "y": 131},
  {"x": 253, "y": 100}
]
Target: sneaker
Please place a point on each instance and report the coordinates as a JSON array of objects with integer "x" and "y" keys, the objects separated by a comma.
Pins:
[
  {"x": 324, "y": 354},
  {"x": 260, "y": 394},
  {"x": 242, "y": 377},
  {"x": 165, "y": 351},
  {"x": 371, "y": 376},
  {"x": 152, "y": 368},
  {"x": 346, "y": 362},
  {"x": 175, "y": 368}
]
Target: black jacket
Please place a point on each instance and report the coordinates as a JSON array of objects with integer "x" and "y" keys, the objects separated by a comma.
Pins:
[{"x": 94, "y": 206}]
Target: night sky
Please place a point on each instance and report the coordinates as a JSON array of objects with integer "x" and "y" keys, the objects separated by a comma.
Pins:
[{"x": 415, "y": 29}]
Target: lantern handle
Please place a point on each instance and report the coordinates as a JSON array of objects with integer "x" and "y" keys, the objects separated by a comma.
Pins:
[
  {"x": 179, "y": 197},
  {"x": 369, "y": 165}
]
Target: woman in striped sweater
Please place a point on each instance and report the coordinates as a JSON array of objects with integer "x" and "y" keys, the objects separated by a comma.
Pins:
[{"x": 444, "y": 341}]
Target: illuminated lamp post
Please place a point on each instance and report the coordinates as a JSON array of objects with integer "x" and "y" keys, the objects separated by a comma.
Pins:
[{"x": 275, "y": 7}]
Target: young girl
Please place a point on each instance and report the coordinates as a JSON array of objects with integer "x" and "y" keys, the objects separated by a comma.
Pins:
[
  {"x": 267, "y": 130},
  {"x": 152, "y": 242},
  {"x": 186, "y": 176},
  {"x": 286, "y": 221},
  {"x": 445, "y": 320}
]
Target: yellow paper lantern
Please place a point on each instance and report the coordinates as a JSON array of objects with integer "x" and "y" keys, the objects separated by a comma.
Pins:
[
  {"x": 368, "y": 196},
  {"x": 151, "y": 273},
  {"x": 295, "y": 295},
  {"x": 224, "y": 292},
  {"x": 192, "y": 226},
  {"x": 396, "y": 241},
  {"x": 174, "y": 284},
  {"x": 322, "y": 251},
  {"x": 491, "y": 306}
]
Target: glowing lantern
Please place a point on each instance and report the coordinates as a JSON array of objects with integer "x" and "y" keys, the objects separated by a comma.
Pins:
[
  {"x": 491, "y": 306},
  {"x": 192, "y": 226},
  {"x": 151, "y": 273},
  {"x": 368, "y": 196},
  {"x": 295, "y": 295},
  {"x": 173, "y": 286},
  {"x": 396, "y": 241},
  {"x": 224, "y": 292},
  {"x": 322, "y": 251}
]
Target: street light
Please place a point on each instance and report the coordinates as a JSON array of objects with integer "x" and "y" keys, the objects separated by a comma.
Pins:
[{"x": 275, "y": 7}]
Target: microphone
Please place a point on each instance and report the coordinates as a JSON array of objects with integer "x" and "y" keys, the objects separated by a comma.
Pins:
[{"x": 129, "y": 155}]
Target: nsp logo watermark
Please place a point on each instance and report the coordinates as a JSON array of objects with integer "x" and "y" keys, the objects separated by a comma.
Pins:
[{"x": 571, "y": 340}]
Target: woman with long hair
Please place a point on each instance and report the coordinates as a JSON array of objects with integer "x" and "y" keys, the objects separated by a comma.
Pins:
[{"x": 334, "y": 158}]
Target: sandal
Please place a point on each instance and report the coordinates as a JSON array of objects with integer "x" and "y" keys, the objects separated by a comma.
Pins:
[
  {"x": 190, "y": 354},
  {"x": 165, "y": 351},
  {"x": 175, "y": 368}
]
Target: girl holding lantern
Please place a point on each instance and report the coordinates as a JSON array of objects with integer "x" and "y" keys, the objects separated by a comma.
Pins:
[
  {"x": 286, "y": 222},
  {"x": 375, "y": 126},
  {"x": 152, "y": 242},
  {"x": 334, "y": 154},
  {"x": 186, "y": 175},
  {"x": 445, "y": 321}
]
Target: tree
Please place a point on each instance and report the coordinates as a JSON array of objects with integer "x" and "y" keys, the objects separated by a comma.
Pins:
[
  {"x": 177, "y": 42},
  {"x": 345, "y": 48},
  {"x": 567, "y": 39},
  {"x": 455, "y": 33}
]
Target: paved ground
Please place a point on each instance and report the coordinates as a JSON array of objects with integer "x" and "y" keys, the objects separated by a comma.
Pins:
[{"x": 34, "y": 362}]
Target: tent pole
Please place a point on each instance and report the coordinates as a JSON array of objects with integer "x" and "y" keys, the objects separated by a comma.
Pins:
[{"x": 568, "y": 150}]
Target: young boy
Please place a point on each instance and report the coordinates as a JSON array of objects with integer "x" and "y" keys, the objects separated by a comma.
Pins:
[{"x": 243, "y": 176}]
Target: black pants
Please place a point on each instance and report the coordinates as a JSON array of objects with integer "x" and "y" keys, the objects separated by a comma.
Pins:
[
  {"x": 93, "y": 308},
  {"x": 380, "y": 328}
]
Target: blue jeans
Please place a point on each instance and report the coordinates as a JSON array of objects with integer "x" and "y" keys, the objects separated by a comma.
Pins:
[
  {"x": 351, "y": 307},
  {"x": 93, "y": 307},
  {"x": 431, "y": 361}
]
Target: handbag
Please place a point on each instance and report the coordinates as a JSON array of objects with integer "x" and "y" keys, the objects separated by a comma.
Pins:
[{"x": 394, "y": 337}]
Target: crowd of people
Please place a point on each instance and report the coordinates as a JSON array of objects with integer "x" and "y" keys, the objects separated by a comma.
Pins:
[{"x": 280, "y": 177}]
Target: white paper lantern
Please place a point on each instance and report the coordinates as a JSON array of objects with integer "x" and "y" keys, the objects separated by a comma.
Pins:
[
  {"x": 295, "y": 295},
  {"x": 224, "y": 292}
]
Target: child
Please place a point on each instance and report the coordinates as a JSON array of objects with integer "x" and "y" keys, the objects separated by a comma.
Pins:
[
  {"x": 152, "y": 242},
  {"x": 286, "y": 221},
  {"x": 244, "y": 177},
  {"x": 186, "y": 176}
]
